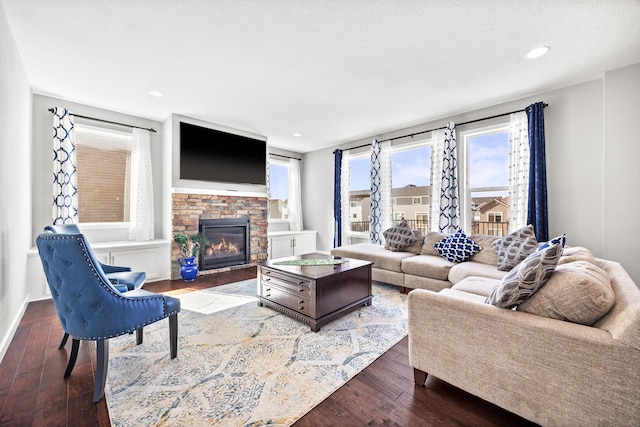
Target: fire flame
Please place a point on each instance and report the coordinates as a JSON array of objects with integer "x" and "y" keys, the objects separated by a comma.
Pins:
[{"x": 222, "y": 248}]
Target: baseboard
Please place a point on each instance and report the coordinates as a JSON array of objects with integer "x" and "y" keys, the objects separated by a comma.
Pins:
[{"x": 8, "y": 336}]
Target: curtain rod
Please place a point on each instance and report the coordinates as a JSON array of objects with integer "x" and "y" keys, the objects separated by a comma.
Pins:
[
  {"x": 444, "y": 127},
  {"x": 286, "y": 157},
  {"x": 51, "y": 110}
]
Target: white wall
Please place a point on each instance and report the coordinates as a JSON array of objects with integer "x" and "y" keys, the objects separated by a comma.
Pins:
[
  {"x": 592, "y": 149},
  {"x": 15, "y": 176}
]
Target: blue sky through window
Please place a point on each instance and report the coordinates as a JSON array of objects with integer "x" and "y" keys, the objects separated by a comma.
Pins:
[{"x": 279, "y": 181}]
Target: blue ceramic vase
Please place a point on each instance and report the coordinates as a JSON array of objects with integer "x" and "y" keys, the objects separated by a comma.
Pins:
[{"x": 188, "y": 268}]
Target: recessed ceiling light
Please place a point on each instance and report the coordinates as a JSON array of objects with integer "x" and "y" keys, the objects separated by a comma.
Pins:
[
  {"x": 297, "y": 134},
  {"x": 538, "y": 52},
  {"x": 156, "y": 93}
]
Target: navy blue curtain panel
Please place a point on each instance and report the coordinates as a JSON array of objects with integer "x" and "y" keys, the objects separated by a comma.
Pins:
[
  {"x": 337, "y": 199},
  {"x": 537, "y": 213}
]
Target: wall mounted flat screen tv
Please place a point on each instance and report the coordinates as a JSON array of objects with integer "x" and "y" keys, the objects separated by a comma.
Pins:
[{"x": 217, "y": 156}]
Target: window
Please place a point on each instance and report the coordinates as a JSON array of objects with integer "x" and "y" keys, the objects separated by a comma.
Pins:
[
  {"x": 359, "y": 192},
  {"x": 411, "y": 190},
  {"x": 103, "y": 161},
  {"x": 486, "y": 174},
  {"x": 279, "y": 190}
]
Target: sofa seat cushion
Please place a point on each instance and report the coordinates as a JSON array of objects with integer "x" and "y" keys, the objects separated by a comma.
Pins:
[
  {"x": 431, "y": 266},
  {"x": 463, "y": 270},
  {"x": 476, "y": 285},
  {"x": 377, "y": 254},
  {"x": 466, "y": 296},
  {"x": 578, "y": 291}
]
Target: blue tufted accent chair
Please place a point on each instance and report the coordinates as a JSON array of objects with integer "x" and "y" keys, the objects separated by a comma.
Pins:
[
  {"x": 91, "y": 308},
  {"x": 122, "y": 278}
]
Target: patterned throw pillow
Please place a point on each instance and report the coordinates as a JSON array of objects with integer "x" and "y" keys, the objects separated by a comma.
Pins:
[
  {"x": 515, "y": 247},
  {"x": 399, "y": 236},
  {"x": 527, "y": 277},
  {"x": 457, "y": 247}
]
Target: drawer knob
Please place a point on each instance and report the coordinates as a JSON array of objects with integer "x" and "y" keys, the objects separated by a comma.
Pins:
[
  {"x": 301, "y": 290},
  {"x": 268, "y": 295},
  {"x": 267, "y": 279},
  {"x": 301, "y": 301},
  {"x": 268, "y": 289},
  {"x": 301, "y": 308}
]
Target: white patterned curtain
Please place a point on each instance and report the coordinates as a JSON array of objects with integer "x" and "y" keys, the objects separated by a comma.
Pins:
[
  {"x": 141, "y": 222},
  {"x": 449, "y": 216},
  {"x": 295, "y": 196},
  {"x": 345, "y": 194},
  {"x": 381, "y": 199},
  {"x": 65, "y": 177},
  {"x": 437, "y": 138},
  {"x": 518, "y": 170}
]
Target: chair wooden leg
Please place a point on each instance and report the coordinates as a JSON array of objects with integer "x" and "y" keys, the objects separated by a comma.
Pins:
[
  {"x": 64, "y": 339},
  {"x": 75, "y": 344},
  {"x": 173, "y": 335},
  {"x": 102, "y": 363},
  {"x": 139, "y": 336}
]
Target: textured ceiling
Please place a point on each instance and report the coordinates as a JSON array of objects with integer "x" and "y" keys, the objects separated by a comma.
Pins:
[{"x": 334, "y": 71}]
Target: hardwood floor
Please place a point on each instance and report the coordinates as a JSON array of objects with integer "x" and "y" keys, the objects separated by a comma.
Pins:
[{"x": 34, "y": 392}]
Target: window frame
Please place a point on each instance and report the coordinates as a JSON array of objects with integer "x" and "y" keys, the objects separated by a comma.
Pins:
[
  {"x": 283, "y": 163},
  {"x": 115, "y": 134},
  {"x": 466, "y": 217}
]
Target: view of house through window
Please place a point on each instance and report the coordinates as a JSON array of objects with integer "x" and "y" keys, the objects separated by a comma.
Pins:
[
  {"x": 103, "y": 159},
  {"x": 488, "y": 181},
  {"x": 411, "y": 187},
  {"x": 279, "y": 190}
]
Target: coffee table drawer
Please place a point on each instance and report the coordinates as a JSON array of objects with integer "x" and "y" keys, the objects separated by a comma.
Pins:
[
  {"x": 294, "y": 284},
  {"x": 282, "y": 297}
]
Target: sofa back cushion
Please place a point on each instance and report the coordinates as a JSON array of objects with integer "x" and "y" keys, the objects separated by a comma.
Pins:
[
  {"x": 578, "y": 291},
  {"x": 489, "y": 253},
  {"x": 431, "y": 239}
]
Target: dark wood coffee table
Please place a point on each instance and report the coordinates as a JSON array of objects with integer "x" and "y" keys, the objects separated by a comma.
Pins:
[{"x": 314, "y": 294}]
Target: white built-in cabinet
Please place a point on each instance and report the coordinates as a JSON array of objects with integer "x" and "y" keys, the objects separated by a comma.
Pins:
[
  {"x": 139, "y": 256},
  {"x": 291, "y": 243}
]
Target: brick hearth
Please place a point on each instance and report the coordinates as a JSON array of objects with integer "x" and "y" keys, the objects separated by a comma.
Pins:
[{"x": 187, "y": 209}]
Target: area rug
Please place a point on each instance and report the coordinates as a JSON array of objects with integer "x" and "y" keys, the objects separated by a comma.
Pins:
[{"x": 240, "y": 364}]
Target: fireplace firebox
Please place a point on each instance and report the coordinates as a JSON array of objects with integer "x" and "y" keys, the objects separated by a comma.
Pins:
[{"x": 228, "y": 242}]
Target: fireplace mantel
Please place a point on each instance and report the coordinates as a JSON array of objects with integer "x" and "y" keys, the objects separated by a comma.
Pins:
[{"x": 217, "y": 192}]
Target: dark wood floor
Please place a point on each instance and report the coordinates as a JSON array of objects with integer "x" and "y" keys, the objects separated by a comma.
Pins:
[{"x": 34, "y": 392}]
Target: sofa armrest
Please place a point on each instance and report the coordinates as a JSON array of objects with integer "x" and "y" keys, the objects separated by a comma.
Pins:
[{"x": 546, "y": 370}]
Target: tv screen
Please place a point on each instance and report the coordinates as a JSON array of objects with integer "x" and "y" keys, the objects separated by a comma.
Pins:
[{"x": 217, "y": 156}]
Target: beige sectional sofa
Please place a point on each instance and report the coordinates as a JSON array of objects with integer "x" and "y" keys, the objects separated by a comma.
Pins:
[
  {"x": 420, "y": 266},
  {"x": 552, "y": 372},
  {"x": 559, "y": 363}
]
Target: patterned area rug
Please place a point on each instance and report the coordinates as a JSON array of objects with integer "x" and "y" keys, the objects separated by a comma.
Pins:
[{"x": 243, "y": 365}]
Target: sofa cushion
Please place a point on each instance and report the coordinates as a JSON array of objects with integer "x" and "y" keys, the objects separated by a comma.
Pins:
[
  {"x": 457, "y": 247},
  {"x": 417, "y": 246},
  {"x": 576, "y": 253},
  {"x": 489, "y": 252},
  {"x": 476, "y": 285},
  {"x": 399, "y": 236},
  {"x": 527, "y": 277},
  {"x": 431, "y": 239},
  {"x": 578, "y": 291},
  {"x": 515, "y": 247},
  {"x": 431, "y": 266},
  {"x": 377, "y": 254},
  {"x": 463, "y": 270}
]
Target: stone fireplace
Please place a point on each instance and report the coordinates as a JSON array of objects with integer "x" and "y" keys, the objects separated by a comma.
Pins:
[
  {"x": 228, "y": 242},
  {"x": 240, "y": 212}
]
